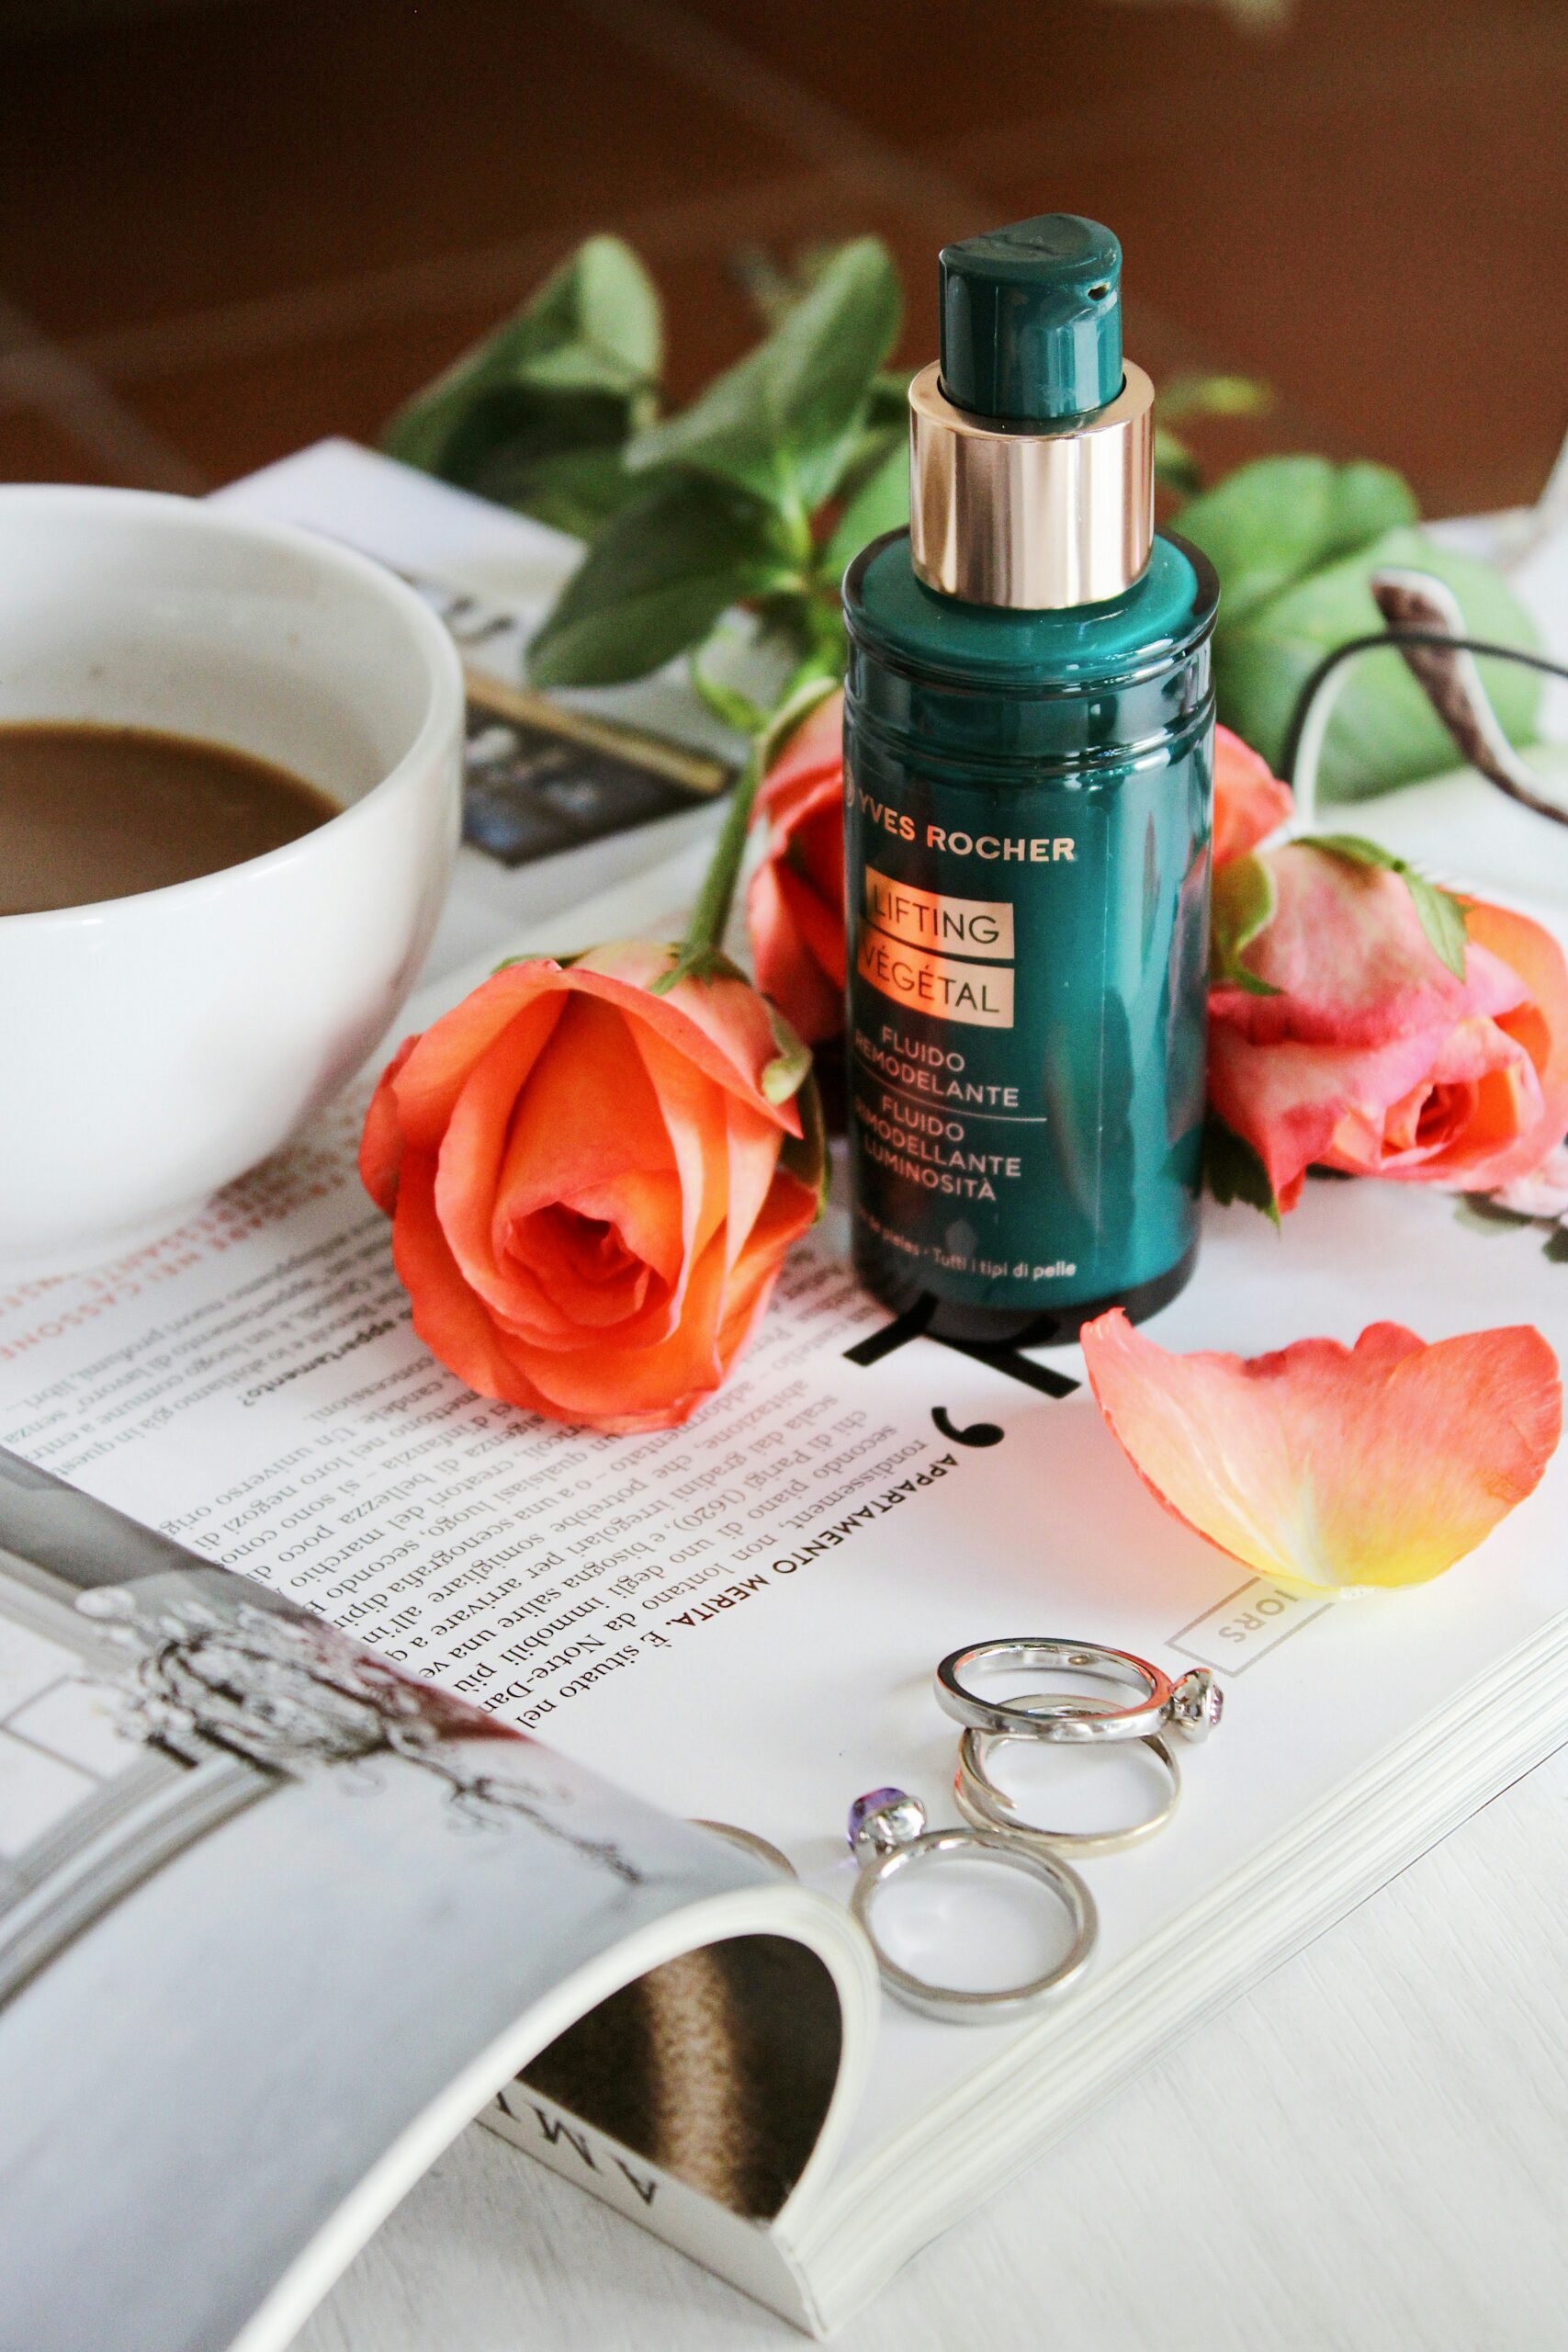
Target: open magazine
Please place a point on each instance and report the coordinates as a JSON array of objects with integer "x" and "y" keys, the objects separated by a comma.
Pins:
[
  {"x": 275, "y": 1918},
  {"x": 296, "y": 1912}
]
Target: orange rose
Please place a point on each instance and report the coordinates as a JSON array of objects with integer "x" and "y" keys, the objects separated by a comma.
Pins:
[
  {"x": 795, "y": 908},
  {"x": 592, "y": 1187}
]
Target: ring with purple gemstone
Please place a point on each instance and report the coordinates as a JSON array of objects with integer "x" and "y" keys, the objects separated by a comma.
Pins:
[
  {"x": 888, "y": 1835},
  {"x": 1192, "y": 1705}
]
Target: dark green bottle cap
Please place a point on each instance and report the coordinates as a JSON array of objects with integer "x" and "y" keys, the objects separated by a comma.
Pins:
[{"x": 1032, "y": 319}]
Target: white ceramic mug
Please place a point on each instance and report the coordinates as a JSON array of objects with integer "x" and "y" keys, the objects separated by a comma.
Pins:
[{"x": 153, "y": 1047}]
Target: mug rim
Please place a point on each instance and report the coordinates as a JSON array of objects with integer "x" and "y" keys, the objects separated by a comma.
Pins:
[{"x": 444, "y": 672}]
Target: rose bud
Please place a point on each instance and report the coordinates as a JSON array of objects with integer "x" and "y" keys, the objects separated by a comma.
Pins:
[
  {"x": 794, "y": 907},
  {"x": 592, "y": 1186}
]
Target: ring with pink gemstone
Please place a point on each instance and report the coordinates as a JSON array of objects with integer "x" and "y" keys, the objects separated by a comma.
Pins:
[{"x": 1191, "y": 1704}]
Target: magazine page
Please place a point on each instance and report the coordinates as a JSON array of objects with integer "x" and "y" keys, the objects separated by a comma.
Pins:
[
  {"x": 275, "y": 1920},
  {"x": 739, "y": 1618}
]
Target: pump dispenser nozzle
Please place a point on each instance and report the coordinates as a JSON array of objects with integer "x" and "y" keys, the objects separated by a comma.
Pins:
[
  {"x": 1032, "y": 444},
  {"x": 1032, "y": 321}
]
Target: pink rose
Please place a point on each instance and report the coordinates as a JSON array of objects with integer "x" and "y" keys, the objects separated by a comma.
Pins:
[
  {"x": 1249, "y": 802},
  {"x": 1362, "y": 1051}
]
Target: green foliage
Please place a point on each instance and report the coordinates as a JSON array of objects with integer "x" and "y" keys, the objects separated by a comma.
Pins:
[
  {"x": 783, "y": 420},
  {"x": 720, "y": 504},
  {"x": 1233, "y": 1170},
  {"x": 1184, "y": 396},
  {"x": 770, "y": 483},
  {"x": 1383, "y": 731},
  {"x": 536, "y": 415},
  {"x": 1242, "y": 905},
  {"x": 1273, "y": 522},
  {"x": 655, "y": 580},
  {"x": 881, "y": 504},
  {"x": 1295, "y": 541}
]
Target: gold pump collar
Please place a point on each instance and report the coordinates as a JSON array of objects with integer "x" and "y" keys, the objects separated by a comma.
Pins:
[{"x": 1001, "y": 515}]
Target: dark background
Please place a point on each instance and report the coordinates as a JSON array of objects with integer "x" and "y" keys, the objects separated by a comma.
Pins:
[{"x": 228, "y": 228}]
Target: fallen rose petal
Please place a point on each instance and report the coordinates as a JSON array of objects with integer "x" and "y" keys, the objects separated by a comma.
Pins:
[{"x": 1335, "y": 1467}]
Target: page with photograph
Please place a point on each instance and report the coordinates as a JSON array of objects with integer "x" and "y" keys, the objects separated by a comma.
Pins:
[{"x": 277, "y": 1919}]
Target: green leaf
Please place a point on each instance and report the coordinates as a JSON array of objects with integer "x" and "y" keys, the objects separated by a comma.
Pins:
[
  {"x": 791, "y": 1065},
  {"x": 592, "y": 327},
  {"x": 1440, "y": 913},
  {"x": 791, "y": 714},
  {"x": 1443, "y": 920},
  {"x": 1175, "y": 464},
  {"x": 1272, "y": 522},
  {"x": 1383, "y": 731},
  {"x": 1556, "y": 1247},
  {"x": 806, "y": 1157},
  {"x": 1198, "y": 395},
  {"x": 576, "y": 490},
  {"x": 1482, "y": 1214},
  {"x": 1233, "y": 1170},
  {"x": 728, "y": 704},
  {"x": 780, "y": 424},
  {"x": 888, "y": 403},
  {"x": 881, "y": 504},
  {"x": 1242, "y": 905},
  {"x": 652, "y": 586}
]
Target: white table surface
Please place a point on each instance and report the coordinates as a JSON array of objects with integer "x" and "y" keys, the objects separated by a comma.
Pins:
[{"x": 1367, "y": 2152}]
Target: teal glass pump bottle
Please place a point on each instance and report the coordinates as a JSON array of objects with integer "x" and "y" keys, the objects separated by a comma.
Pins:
[{"x": 1028, "y": 738}]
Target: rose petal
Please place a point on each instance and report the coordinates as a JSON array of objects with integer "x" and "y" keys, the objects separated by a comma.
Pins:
[
  {"x": 694, "y": 1114},
  {"x": 818, "y": 918},
  {"x": 1543, "y": 1193},
  {"x": 381, "y": 1140},
  {"x": 721, "y": 1024},
  {"x": 1251, "y": 802},
  {"x": 815, "y": 750},
  {"x": 1346, "y": 952},
  {"x": 590, "y": 1206},
  {"x": 431, "y": 1077},
  {"x": 1296, "y": 1104},
  {"x": 448, "y": 1316},
  {"x": 787, "y": 970},
  {"x": 1540, "y": 1024},
  {"x": 619, "y": 1387},
  {"x": 1330, "y": 1466}
]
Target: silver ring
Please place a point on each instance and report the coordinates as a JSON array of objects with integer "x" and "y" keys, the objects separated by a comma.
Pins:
[
  {"x": 1192, "y": 1705},
  {"x": 980, "y": 1802},
  {"x": 750, "y": 1843},
  {"x": 887, "y": 1834}
]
